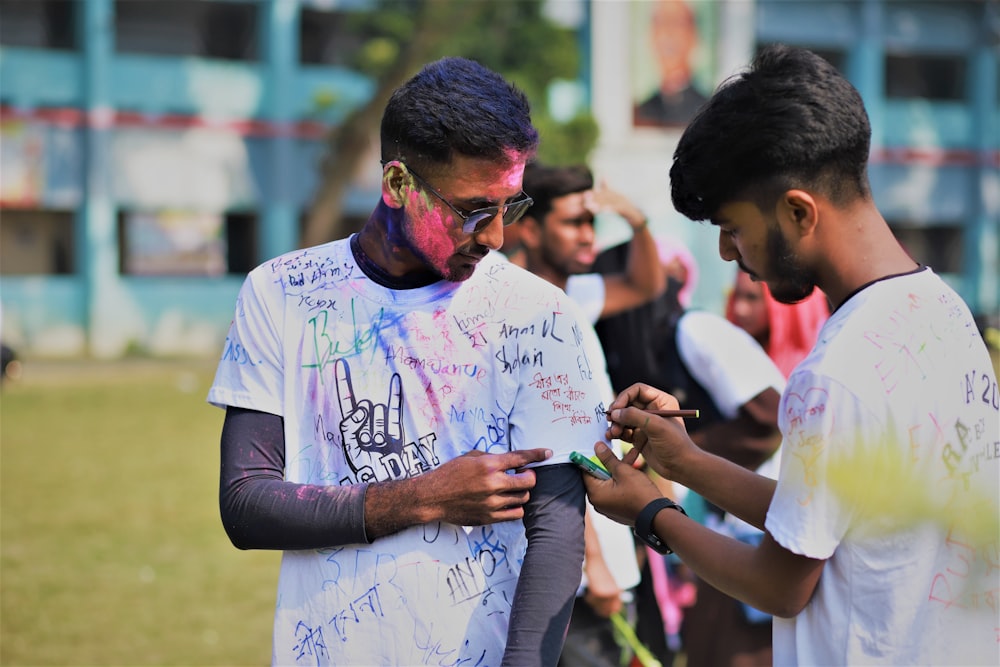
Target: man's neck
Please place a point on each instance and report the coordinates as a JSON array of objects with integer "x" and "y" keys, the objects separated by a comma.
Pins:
[
  {"x": 381, "y": 262},
  {"x": 546, "y": 272}
]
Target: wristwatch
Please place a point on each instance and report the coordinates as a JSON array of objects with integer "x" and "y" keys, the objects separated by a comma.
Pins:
[{"x": 644, "y": 524}]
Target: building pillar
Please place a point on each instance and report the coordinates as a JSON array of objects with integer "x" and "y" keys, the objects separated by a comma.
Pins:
[
  {"x": 981, "y": 243},
  {"x": 866, "y": 67},
  {"x": 96, "y": 232},
  {"x": 279, "y": 218}
]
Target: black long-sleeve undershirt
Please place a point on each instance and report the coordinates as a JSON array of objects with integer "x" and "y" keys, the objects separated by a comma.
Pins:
[{"x": 260, "y": 510}]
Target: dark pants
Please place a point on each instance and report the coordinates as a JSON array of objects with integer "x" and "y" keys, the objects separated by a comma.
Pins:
[{"x": 717, "y": 633}]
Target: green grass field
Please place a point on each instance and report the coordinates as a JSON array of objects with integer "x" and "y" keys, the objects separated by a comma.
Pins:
[{"x": 111, "y": 548}]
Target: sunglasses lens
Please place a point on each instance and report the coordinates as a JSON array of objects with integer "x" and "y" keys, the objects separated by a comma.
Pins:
[
  {"x": 479, "y": 220},
  {"x": 516, "y": 209}
]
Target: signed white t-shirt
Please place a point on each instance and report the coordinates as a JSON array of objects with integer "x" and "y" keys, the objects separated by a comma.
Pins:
[
  {"x": 891, "y": 439},
  {"x": 376, "y": 384}
]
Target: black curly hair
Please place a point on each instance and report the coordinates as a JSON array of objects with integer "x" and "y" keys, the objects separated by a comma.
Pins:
[
  {"x": 456, "y": 105},
  {"x": 790, "y": 120}
]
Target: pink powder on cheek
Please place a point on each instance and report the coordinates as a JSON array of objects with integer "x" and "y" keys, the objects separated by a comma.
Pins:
[{"x": 431, "y": 231}]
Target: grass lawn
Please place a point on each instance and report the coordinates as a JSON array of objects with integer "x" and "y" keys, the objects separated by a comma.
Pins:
[{"x": 111, "y": 548}]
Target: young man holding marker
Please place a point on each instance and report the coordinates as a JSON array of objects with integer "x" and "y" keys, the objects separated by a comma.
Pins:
[{"x": 882, "y": 529}]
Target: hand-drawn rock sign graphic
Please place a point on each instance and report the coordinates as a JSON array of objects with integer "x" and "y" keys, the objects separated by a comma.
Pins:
[{"x": 372, "y": 432}]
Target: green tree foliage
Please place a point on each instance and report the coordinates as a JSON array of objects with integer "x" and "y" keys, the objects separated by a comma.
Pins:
[{"x": 513, "y": 37}]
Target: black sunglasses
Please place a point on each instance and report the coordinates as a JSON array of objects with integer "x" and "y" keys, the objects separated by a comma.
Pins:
[{"x": 477, "y": 220}]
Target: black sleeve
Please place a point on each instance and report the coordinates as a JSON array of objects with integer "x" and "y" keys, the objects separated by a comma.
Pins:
[
  {"x": 260, "y": 510},
  {"x": 552, "y": 569}
]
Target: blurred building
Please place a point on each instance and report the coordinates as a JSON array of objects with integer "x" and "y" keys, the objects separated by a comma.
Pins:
[{"x": 153, "y": 151}]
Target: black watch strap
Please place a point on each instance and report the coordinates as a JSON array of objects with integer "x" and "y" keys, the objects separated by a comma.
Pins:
[{"x": 644, "y": 524}]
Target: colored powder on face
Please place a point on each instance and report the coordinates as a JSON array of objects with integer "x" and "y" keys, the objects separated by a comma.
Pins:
[{"x": 429, "y": 231}]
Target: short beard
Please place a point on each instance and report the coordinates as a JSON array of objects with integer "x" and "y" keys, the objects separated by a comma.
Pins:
[{"x": 793, "y": 282}]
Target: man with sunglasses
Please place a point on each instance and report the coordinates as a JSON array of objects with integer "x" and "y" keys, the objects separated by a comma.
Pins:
[{"x": 386, "y": 395}]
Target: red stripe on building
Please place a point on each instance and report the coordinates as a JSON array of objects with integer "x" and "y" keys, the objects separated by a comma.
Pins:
[{"x": 74, "y": 118}]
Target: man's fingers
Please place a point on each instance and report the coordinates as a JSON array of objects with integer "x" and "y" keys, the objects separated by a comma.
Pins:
[
  {"x": 632, "y": 455},
  {"x": 607, "y": 456},
  {"x": 630, "y": 417},
  {"x": 523, "y": 457}
]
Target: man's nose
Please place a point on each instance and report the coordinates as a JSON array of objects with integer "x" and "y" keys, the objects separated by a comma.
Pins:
[
  {"x": 491, "y": 235},
  {"x": 727, "y": 249}
]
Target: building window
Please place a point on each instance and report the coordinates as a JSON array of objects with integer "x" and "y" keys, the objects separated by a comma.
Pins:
[
  {"x": 241, "y": 242},
  {"x": 328, "y": 38},
  {"x": 186, "y": 243},
  {"x": 38, "y": 24},
  {"x": 36, "y": 242},
  {"x": 929, "y": 77},
  {"x": 223, "y": 30},
  {"x": 937, "y": 246}
]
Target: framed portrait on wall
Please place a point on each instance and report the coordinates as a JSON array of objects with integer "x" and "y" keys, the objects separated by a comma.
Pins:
[{"x": 673, "y": 60}]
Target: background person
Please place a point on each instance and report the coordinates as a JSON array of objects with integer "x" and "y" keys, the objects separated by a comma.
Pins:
[
  {"x": 379, "y": 389},
  {"x": 787, "y": 331},
  {"x": 558, "y": 241},
  {"x": 895, "y": 398}
]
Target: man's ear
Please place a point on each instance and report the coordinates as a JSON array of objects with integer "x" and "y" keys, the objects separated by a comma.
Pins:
[
  {"x": 395, "y": 184},
  {"x": 799, "y": 210},
  {"x": 531, "y": 232}
]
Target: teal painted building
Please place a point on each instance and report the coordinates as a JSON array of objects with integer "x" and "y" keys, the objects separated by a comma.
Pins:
[{"x": 152, "y": 152}]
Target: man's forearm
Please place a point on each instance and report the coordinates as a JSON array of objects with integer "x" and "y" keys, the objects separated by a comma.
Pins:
[
  {"x": 260, "y": 510},
  {"x": 740, "y": 441},
  {"x": 769, "y": 577},
  {"x": 739, "y": 491},
  {"x": 643, "y": 269},
  {"x": 550, "y": 574}
]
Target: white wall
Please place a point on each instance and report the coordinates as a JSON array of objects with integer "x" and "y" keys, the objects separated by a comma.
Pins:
[{"x": 636, "y": 160}]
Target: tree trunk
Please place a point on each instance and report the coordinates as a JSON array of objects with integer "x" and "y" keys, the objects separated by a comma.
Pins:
[{"x": 348, "y": 143}]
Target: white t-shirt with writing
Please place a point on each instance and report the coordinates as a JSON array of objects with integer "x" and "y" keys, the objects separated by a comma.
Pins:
[
  {"x": 377, "y": 384},
  {"x": 891, "y": 442}
]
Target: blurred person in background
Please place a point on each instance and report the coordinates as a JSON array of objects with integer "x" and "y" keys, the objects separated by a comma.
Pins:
[
  {"x": 10, "y": 365},
  {"x": 381, "y": 389},
  {"x": 557, "y": 241},
  {"x": 787, "y": 331}
]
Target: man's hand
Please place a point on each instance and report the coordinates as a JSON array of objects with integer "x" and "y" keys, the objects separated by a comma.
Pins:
[
  {"x": 476, "y": 488},
  {"x": 602, "y": 594},
  {"x": 603, "y": 198},
  {"x": 662, "y": 442},
  {"x": 622, "y": 497}
]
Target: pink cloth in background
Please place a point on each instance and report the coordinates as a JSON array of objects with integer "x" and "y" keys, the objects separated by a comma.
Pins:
[
  {"x": 672, "y": 596},
  {"x": 671, "y": 249},
  {"x": 794, "y": 327}
]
